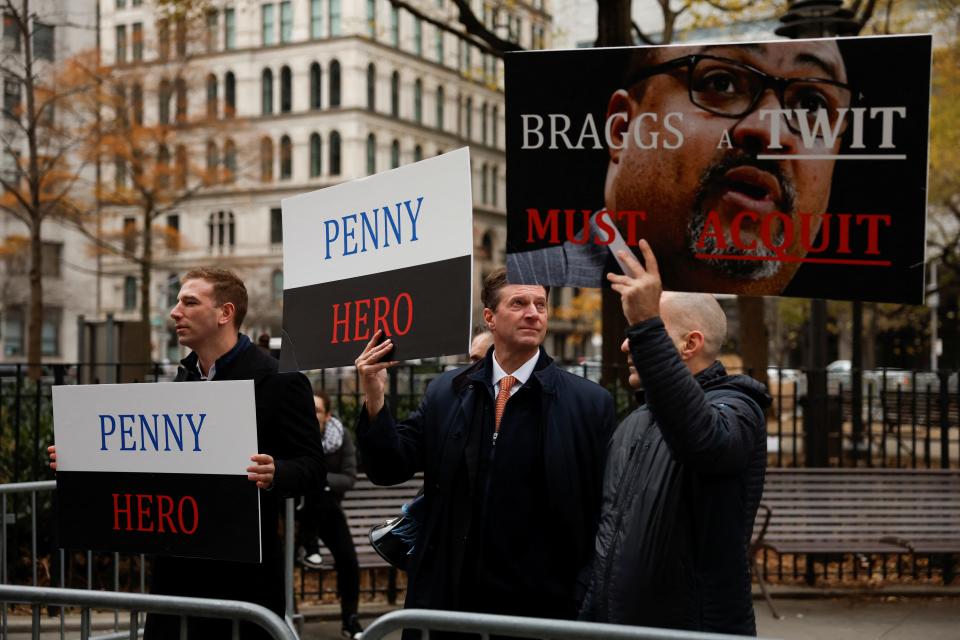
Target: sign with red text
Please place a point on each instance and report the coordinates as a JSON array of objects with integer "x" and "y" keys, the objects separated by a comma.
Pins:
[
  {"x": 158, "y": 468},
  {"x": 792, "y": 167},
  {"x": 392, "y": 252}
]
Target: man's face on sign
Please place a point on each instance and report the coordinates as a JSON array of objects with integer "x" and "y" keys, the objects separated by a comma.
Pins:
[{"x": 715, "y": 174}]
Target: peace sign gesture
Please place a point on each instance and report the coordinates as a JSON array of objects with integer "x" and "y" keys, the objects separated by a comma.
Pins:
[{"x": 640, "y": 286}]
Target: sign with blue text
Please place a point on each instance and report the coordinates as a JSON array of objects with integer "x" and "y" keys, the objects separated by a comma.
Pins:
[
  {"x": 788, "y": 168},
  {"x": 158, "y": 468},
  {"x": 391, "y": 252}
]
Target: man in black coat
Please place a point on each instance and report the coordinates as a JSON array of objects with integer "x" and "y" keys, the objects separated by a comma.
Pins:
[
  {"x": 512, "y": 496},
  {"x": 685, "y": 471},
  {"x": 210, "y": 308}
]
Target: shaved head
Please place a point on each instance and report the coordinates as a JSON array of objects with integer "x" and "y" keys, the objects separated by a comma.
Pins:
[{"x": 686, "y": 312}]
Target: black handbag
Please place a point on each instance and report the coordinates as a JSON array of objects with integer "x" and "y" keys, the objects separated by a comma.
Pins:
[{"x": 394, "y": 539}]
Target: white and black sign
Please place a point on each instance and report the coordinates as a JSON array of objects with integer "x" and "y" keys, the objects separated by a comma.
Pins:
[
  {"x": 158, "y": 468},
  {"x": 392, "y": 252}
]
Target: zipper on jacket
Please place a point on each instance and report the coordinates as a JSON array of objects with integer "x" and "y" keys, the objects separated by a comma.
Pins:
[{"x": 495, "y": 434}]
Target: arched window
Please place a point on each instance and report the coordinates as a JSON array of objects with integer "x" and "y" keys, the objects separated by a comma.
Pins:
[
  {"x": 286, "y": 89},
  {"x": 162, "y": 176},
  {"x": 394, "y": 154},
  {"x": 276, "y": 286},
  {"x": 181, "y": 86},
  {"x": 395, "y": 94},
  {"x": 418, "y": 101},
  {"x": 371, "y": 87},
  {"x": 469, "y": 118},
  {"x": 486, "y": 247},
  {"x": 286, "y": 158},
  {"x": 417, "y": 153},
  {"x": 335, "y": 84},
  {"x": 213, "y": 163},
  {"x": 229, "y": 95},
  {"x": 440, "y": 100},
  {"x": 212, "y": 96},
  {"x": 266, "y": 159},
  {"x": 222, "y": 232},
  {"x": 230, "y": 160},
  {"x": 266, "y": 92},
  {"x": 315, "y": 155},
  {"x": 493, "y": 125},
  {"x": 371, "y": 154},
  {"x": 316, "y": 75},
  {"x": 180, "y": 167},
  {"x": 129, "y": 293},
  {"x": 163, "y": 97},
  {"x": 484, "y": 183},
  {"x": 334, "y": 153},
  {"x": 136, "y": 97},
  {"x": 483, "y": 123},
  {"x": 493, "y": 186}
]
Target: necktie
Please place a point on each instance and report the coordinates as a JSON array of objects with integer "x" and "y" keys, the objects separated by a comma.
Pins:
[{"x": 505, "y": 384}]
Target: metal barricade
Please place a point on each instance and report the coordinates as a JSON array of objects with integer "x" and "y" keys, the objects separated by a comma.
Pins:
[
  {"x": 486, "y": 625},
  {"x": 136, "y": 603}
]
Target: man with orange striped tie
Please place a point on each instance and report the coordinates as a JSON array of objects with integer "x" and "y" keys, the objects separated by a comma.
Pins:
[{"x": 512, "y": 450}]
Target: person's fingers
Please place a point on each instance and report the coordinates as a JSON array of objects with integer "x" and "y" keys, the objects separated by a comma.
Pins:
[
  {"x": 373, "y": 355},
  {"x": 373, "y": 340},
  {"x": 649, "y": 259},
  {"x": 619, "y": 279},
  {"x": 630, "y": 261},
  {"x": 261, "y": 469},
  {"x": 369, "y": 369}
]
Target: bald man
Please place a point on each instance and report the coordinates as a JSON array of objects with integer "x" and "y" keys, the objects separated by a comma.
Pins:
[
  {"x": 684, "y": 472},
  {"x": 480, "y": 344}
]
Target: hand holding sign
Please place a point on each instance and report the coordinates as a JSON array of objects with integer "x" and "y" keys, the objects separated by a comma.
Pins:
[
  {"x": 640, "y": 287},
  {"x": 263, "y": 471},
  {"x": 52, "y": 452},
  {"x": 373, "y": 373}
]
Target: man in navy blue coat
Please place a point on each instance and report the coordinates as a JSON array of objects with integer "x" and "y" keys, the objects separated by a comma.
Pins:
[{"x": 512, "y": 497}]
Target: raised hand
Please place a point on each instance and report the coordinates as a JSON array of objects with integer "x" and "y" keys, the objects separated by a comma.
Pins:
[
  {"x": 640, "y": 287},
  {"x": 373, "y": 373}
]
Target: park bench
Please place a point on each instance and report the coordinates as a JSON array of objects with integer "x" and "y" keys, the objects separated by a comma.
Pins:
[
  {"x": 828, "y": 513},
  {"x": 366, "y": 505}
]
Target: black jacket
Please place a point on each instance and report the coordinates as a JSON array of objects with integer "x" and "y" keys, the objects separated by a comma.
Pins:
[
  {"x": 287, "y": 429},
  {"x": 681, "y": 489},
  {"x": 440, "y": 438}
]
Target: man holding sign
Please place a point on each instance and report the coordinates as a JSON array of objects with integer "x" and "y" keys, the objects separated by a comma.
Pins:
[
  {"x": 512, "y": 451},
  {"x": 210, "y": 309}
]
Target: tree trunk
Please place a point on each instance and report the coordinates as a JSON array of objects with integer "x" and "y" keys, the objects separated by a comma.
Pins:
[
  {"x": 613, "y": 23},
  {"x": 754, "y": 337}
]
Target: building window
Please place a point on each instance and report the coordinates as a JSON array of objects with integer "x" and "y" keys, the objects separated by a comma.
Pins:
[
  {"x": 121, "y": 51},
  {"x": 212, "y": 97},
  {"x": 335, "y": 84},
  {"x": 493, "y": 186},
  {"x": 129, "y": 234},
  {"x": 11, "y": 98},
  {"x": 286, "y": 21},
  {"x": 129, "y": 293},
  {"x": 438, "y": 44},
  {"x": 276, "y": 225},
  {"x": 395, "y": 94},
  {"x": 137, "y": 37},
  {"x": 395, "y": 26},
  {"x": 162, "y": 177},
  {"x": 51, "y": 257},
  {"x": 267, "y": 26},
  {"x": 276, "y": 286},
  {"x": 163, "y": 39},
  {"x": 266, "y": 159},
  {"x": 173, "y": 289},
  {"x": 484, "y": 179},
  {"x": 221, "y": 229},
  {"x": 316, "y": 77},
  {"x": 335, "y": 153},
  {"x": 286, "y": 158},
  {"x": 11, "y": 32},
  {"x": 315, "y": 155},
  {"x": 119, "y": 172},
  {"x": 286, "y": 90},
  {"x": 163, "y": 97},
  {"x": 266, "y": 92},
  {"x": 493, "y": 124},
  {"x": 13, "y": 331},
  {"x": 229, "y": 95},
  {"x": 371, "y": 87},
  {"x": 181, "y": 37},
  {"x": 181, "y": 86},
  {"x": 371, "y": 154},
  {"x": 394, "y": 154},
  {"x": 316, "y": 19},
  {"x": 418, "y": 36},
  {"x": 173, "y": 233},
  {"x": 417, "y": 153},
  {"x": 180, "y": 167},
  {"x": 50, "y": 332},
  {"x": 213, "y": 20},
  {"x": 229, "y": 29},
  {"x": 136, "y": 98},
  {"x": 213, "y": 163},
  {"x": 334, "y": 17},
  {"x": 483, "y": 123},
  {"x": 230, "y": 161},
  {"x": 440, "y": 101},
  {"x": 372, "y": 18},
  {"x": 418, "y": 101},
  {"x": 469, "y": 118}
]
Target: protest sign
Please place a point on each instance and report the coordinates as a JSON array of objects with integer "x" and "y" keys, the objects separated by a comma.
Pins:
[
  {"x": 158, "y": 468},
  {"x": 393, "y": 251},
  {"x": 791, "y": 168}
]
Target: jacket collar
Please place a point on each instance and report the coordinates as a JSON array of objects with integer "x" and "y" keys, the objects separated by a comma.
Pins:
[
  {"x": 223, "y": 362},
  {"x": 481, "y": 372}
]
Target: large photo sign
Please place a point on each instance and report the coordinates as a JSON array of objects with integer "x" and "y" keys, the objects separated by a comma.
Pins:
[
  {"x": 392, "y": 252},
  {"x": 158, "y": 468},
  {"x": 792, "y": 168}
]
